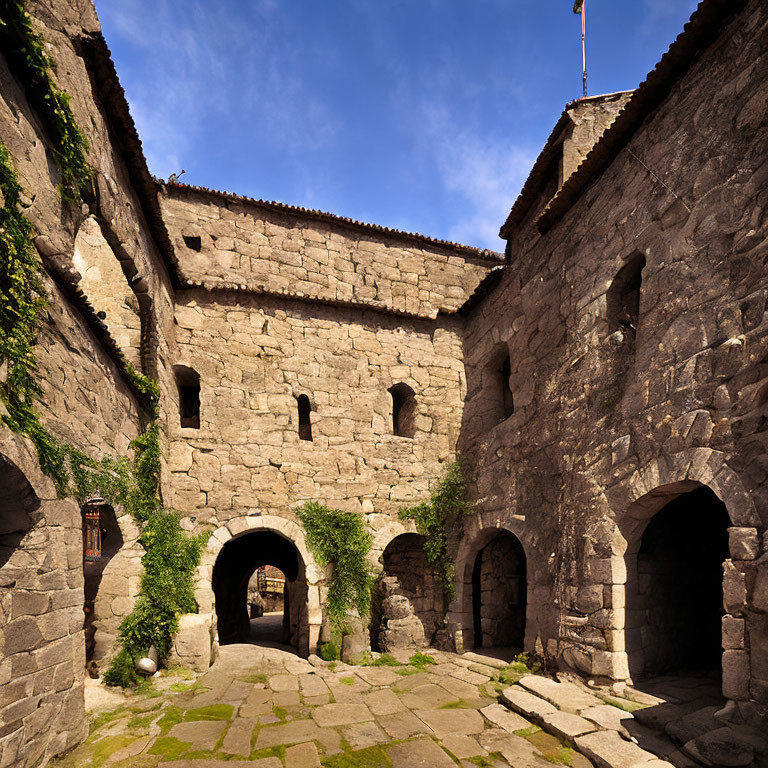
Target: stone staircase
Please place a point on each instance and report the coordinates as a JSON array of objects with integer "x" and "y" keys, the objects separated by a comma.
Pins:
[{"x": 656, "y": 734}]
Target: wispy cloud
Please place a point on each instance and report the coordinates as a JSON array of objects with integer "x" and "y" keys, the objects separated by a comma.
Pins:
[
  {"x": 484, "y": 173},
  {"x": 199, "y": 65}
]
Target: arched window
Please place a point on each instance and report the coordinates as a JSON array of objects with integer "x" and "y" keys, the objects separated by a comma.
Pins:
[
  {"x": 403, "y": 410},
  {"x": 305, "y": 425},
  {"x": 623, "y": 297},
  {"x": 188, "y": 383}
]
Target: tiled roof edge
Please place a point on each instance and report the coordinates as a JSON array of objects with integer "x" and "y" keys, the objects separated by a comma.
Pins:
[
  {"x": 484, "y": 255},
  {"x": 539, "y": 174},
  {"x": 106, "y": 84}
]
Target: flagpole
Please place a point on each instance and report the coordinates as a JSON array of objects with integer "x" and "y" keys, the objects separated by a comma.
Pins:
[{"x": 583, "y": 45}]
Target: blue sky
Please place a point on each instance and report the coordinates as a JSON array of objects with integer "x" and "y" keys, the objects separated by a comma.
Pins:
[{"x": 424, "y": 115}]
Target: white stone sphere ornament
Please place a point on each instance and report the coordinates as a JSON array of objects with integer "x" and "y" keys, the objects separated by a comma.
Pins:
[{"x": 147, "y": 665}]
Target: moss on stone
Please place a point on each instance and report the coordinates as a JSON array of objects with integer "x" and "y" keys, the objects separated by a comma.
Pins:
[
  {"x": 371, "y": 757},
  {"x": 211, "y": 712},
  {"x": 169, "y": 747}
]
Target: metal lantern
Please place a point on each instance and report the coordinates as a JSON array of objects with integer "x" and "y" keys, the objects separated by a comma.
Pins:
[{"x": 92, "y": 526}]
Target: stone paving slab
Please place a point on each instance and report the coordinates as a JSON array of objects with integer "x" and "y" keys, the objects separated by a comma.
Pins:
[
  {"x": 332, "y": 715},
  {"x": 419, "y": 753},
  {"x": 487, "y": 660},
  {"x": 201, "y": 734},
  {"x": 288, "y": 733},
  {"x": 377, "y": 676},
  {"x": 267, "y": 762},
  {"x": 502, "y": 717},
  {"x": 459, "y": 722},
  {"x": 463, "y": 746},
  {"x": 383, "y": 702},
  {"x": 609, "y": 750},
  {"x": 606, "y": 716},
  {"x": 515, "y": 749},
  {"x": 284, "y": 683},
  {"x": 302, "y": 756},
  {"x": 361, "y": 735},
  {"x": 427, "y": 696},
  {"x": 527, "y": 704},
  {"x": 238, "y": 738},
  {"x": 567, "y": 726},
  {"x": 565, "y": 696},
  {"x": 403, "y": 725}
]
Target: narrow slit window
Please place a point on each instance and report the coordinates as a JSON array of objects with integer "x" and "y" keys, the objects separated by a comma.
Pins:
[
  {"x": 305, "y": 425},
  {"x": 188, "y": 383},
  {"x": 506, "y": 398},
  {"x": 403, "y": 410},
  {"x": 623, "y": 297}
]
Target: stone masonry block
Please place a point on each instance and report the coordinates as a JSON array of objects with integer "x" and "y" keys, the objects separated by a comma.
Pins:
[
  {"x": 733, "y": 633},
  {"x": 736, "y": 675},
  {"x": 743, "y": 543}
]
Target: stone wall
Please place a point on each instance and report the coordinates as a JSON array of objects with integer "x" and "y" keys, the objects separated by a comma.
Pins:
[
  {"x": 256, "y": 355},
  {"x": 87, "y": 399},
  {"x": 41, "y": 612},
  {"x": 612, "y": 421},
  {"x": 226, "y": 241}
]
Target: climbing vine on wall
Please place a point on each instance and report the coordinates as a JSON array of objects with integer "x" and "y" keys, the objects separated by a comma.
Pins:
[
  {"x": 340, "y": 539},
  {"x": 167, "y": 586},
  {"x": 437, "y": 519},
  {"x": 25, "y": 52}
]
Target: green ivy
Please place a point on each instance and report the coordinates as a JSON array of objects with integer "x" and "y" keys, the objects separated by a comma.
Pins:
[
  {"x": 341, "y": 540},
  {"x": 25, "y": 52},
  {"x": 437, "y": 519},
  {"x": 167, "y": 584}
]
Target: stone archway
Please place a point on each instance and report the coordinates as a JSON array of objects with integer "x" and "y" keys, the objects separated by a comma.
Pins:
[
  {"x": 408, "y": 576},
  {"x": 491, "y": 604},
  {"x": 499, "y": 593},
  {"x": 674, "y": 589},
  {"x": 238, "y": 560},
  {"x": 310, "y": 586}
]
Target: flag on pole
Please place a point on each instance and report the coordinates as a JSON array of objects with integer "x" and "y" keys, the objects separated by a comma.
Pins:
[{"x": 577, "y": 6}]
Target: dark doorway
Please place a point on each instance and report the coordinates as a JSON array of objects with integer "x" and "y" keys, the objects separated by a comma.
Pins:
[
  {"x": 236, "y": 564},
  {"x": 499, "y": 593},
  {"x": 102, "y": 540},
  {"x": 677, "y": 601}
]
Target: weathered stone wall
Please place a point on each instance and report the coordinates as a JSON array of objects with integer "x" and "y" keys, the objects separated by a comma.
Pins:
[
  {"x": 256, "y": 355},
  {"x": 610, "y": 423},
  {"x": 41, "y": 612},
  {"x": 405, "y": 559},
  {"x": 86, "y": 401},
  {"x": 265, "y": 248}
]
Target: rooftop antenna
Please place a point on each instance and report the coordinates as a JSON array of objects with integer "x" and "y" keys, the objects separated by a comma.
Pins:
[{"x": 580, "y": 6}]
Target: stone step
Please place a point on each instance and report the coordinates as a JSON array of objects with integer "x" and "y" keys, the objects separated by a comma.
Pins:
[
  {"x": 607, "y": 749},
  {"x": 566, "y": 696}
]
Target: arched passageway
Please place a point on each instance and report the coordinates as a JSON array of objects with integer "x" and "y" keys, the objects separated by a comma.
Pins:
[
  {"x": 675, "y": 587},
  {"x": 405, "y": 560},
  {"x": 499, "y": 593},
  {"x": 236, "y": 563}
]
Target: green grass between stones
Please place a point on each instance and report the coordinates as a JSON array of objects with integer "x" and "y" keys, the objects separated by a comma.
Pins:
[
  {"x": 371, "y": 757},
  {"x": 211, "y": 712}
]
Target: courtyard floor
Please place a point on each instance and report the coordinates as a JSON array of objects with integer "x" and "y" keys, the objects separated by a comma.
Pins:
[
  {"x": 268, "y": 708},
  {"x": 265, "y": 707}
]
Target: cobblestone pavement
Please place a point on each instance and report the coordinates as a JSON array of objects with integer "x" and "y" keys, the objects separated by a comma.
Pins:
[{"x": 268, "y": 708}]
